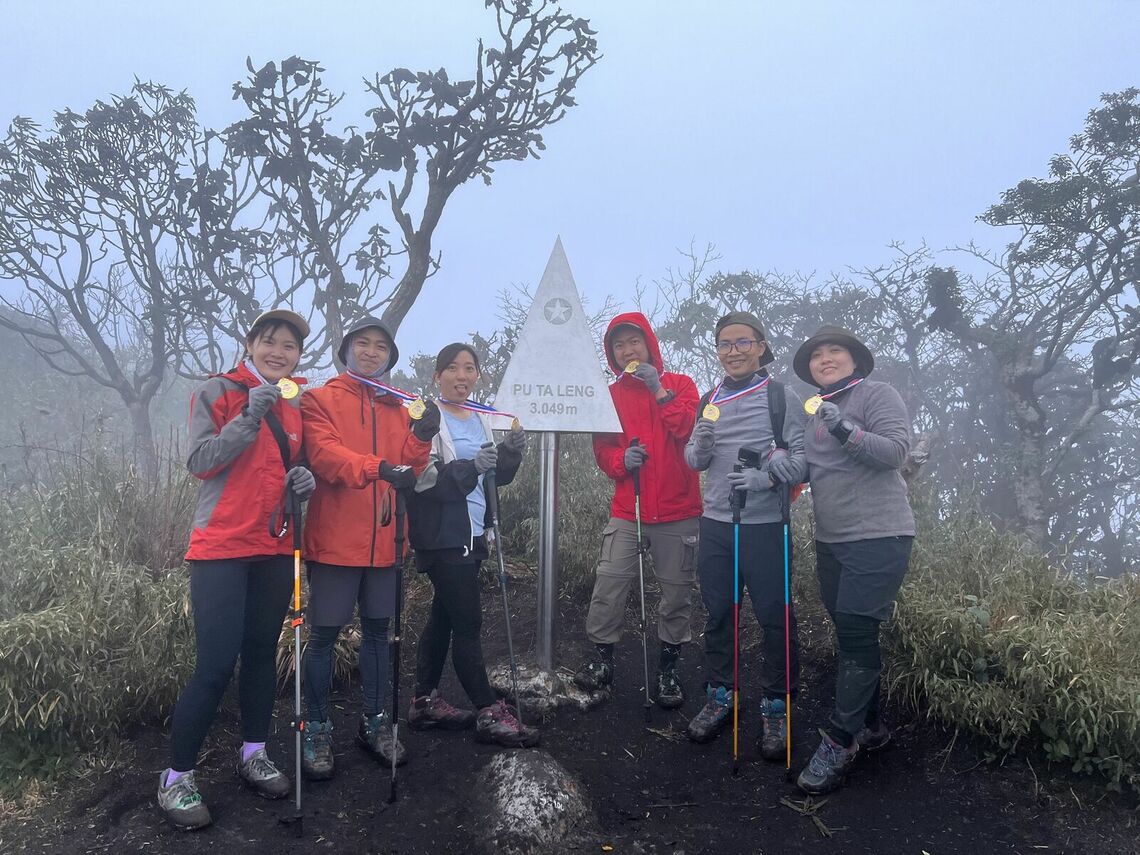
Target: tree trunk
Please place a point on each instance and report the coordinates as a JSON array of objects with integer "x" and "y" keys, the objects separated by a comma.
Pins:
[
  {"x": 1029, "y": 478},
  {"x": 146, "y": 454}
]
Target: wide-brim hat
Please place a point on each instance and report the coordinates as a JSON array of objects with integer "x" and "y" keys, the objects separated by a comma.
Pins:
[
  {"x": 749, "y": 320},
  {"x": 363, "y": 324},
  {"x": 863, "y": 358},
  {"x": 290, "y": 317}
]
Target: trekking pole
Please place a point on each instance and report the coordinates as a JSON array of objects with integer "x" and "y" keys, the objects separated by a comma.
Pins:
[
  {"x": 492, "y": 489},
  {"x": 293, "y": 509},
  {"x": 786, "y": 516},
  {"x": 396, "y": 632},
  {"x": 641, "y": 581},
  {"x": 736, "y": 502}
]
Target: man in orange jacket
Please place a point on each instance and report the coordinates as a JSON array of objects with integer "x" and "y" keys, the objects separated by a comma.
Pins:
[{"x": 362, "y": 446}]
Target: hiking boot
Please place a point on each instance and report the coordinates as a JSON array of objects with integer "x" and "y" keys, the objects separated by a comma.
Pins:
[
  {"x": 498, "y": 724},
  {"x": 827, "y": 768},
  {"x": 181, "y": 803},
  {"x": 713, "y": 716},
  {"x": 598, "y": 673},
  {"x": 670, "y": 695},
  {"x": 773, "y": 741},
  {"x": 429, "y": 712},
  {"x": 317, "y": 750},
  {"x": 375, "y": 734},
  {"x": 261, "y": 776},
  {"x": 873, "y": 739}
]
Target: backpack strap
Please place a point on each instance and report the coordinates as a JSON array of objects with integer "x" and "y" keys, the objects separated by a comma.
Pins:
[
  {"x": 777, "y": 409},
  {"x": 278, "y": 434}
]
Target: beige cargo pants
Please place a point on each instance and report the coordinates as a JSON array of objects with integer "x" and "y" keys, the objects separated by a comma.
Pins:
[{"x": 673, "y": 549}]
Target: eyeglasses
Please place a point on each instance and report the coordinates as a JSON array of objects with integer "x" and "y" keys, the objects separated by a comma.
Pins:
[{"x": 742, "y": 345}]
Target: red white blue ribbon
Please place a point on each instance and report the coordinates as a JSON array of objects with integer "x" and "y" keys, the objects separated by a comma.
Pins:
[
  {"x": 406, "y": 397},
  {"x": 476, "y": 407},
  {"x": 850, "y": 385},
  {"x": 718, "y": 401}
]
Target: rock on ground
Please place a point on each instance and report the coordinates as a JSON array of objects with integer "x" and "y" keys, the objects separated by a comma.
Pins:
[{"x": 533, "y": 805}]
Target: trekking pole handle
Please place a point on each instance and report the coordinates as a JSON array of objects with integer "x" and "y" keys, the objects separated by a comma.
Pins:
[
  {"x": 634, "y": 443},
  {"x": 736, "y": 498}
]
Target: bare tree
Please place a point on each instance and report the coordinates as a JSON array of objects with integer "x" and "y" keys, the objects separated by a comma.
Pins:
[{"x": 432, "y": 133}]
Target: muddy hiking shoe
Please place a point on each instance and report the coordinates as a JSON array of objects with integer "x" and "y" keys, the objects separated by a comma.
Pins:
[
  {"x": 873, "y": 738},
  {"x": 828, "y": 767},
  {"x": 497, "y": 724},
  {"x": 375, "y": 735},
  {"x": 317, "y": 750},
  {"x": 429, "y": 712},
  {"x": 182, "y": 804},
  {"x": 713, "y": 716},
  {"x": 261, "y": 776},
  {"x": 774, "y": 720},
  {"x": 598, "y": 673},
  {"x": 670, "y": 694}
]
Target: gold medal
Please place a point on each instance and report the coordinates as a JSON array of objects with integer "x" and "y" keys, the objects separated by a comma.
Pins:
[
  {"x": 515, "y": 424},
  {"x": 710, "y": 412},
  {"x": 629, "y": 369},
  {"x": 417, "y": 408},
  {"x": 289, "y": 388},
  {"x": 811, "y": 405}
]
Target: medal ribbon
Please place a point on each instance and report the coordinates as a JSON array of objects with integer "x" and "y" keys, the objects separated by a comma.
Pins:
[
  {"x": 850, "y": 385},
  {"x": 405, "y": 397},
  {"x": 476, "y": 407},
  {"x": 735, "y": 395}
]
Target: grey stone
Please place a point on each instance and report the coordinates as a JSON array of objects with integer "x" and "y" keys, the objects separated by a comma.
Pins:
[
  {"x": 533, "y": 805},
  {"x": 543, "y": 692}
]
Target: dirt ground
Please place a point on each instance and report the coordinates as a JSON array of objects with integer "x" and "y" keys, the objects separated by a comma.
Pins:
[{"x": 652, "y": 790}]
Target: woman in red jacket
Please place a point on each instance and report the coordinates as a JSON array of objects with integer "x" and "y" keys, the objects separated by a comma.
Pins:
[
  {"x": 362, "y": 447},
  {"x": 244, "y": 438}
]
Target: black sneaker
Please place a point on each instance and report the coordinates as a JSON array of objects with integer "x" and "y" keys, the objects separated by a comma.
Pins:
[
  {"x": 596, "y": 674},
  {"x": 828, "y": 767},
  {"x": 670, "y": 694},
  {"x": 873, "y": 739},
  {"x": 773, "y": 741},
  {"x": 713, "y": 716}
]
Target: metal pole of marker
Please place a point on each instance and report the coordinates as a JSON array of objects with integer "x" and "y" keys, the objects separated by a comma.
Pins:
[{"x": 547, "y": 549}]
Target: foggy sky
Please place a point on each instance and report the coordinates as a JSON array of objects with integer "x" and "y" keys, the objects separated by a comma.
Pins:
[{"x": 795, "y": 136}]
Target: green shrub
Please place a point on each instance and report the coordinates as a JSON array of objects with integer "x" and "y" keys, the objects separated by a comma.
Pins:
[{"x": 990, "y": 638}]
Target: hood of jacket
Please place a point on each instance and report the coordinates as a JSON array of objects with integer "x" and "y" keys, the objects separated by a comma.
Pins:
[{"x": 633, "y": 319}]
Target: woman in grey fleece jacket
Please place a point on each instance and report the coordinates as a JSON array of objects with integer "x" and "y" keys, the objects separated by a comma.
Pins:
[{"x": 856, "y": 440}]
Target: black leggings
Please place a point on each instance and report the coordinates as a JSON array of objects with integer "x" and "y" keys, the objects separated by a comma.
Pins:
[
  {"x": 373, "y": 664},
  {"x": 239, "y": 605},
  {"x": 456, "y": 614}
]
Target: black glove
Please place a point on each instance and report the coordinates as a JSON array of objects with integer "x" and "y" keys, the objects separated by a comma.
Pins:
[
  {"x": 427, "y": 426},
  {"x": 401, "y": 477},
  {"x": 261, "y": 399},
  {"x": 301, "y": 481}
]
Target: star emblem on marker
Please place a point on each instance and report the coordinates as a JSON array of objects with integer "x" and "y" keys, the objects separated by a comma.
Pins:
[{"x": 557, "y": 311}]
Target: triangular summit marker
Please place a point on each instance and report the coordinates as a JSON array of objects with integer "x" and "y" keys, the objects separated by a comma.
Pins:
[{"x": 554, "y": 381}]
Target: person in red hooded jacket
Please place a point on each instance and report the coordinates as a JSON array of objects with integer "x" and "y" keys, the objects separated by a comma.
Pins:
[
  {"x": 245, "y": 439},
  {"x": 657, "y": 408}
]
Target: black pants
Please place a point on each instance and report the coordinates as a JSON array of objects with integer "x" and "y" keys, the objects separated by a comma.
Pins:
[
  {"x": 239, "y": 605},
  {"x": 762, "y": 576},
  {"x": 858, "y": 582},
  {"x": 455, "y": 619},
  {"x": 317, "y": 666}
]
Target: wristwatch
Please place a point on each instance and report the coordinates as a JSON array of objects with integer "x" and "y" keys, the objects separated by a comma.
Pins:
[{"x": 842, "y": 431}]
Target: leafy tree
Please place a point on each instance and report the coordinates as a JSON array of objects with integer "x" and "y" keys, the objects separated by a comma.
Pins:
[
  {"x": 428, "y": 135},
  {"x": 1063, "y": 297}
]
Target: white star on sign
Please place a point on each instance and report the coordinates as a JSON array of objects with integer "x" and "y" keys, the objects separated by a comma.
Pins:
[{"x": 557, "y": 311}]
